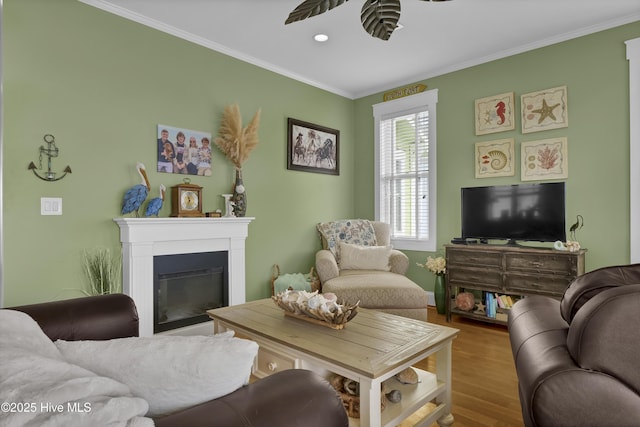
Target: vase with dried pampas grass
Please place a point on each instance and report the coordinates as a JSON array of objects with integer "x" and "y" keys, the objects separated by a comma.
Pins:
[{"x": 237, "y": 143}]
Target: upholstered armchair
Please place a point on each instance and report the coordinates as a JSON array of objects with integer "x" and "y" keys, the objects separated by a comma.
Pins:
[{"x": 357, "y": 263}]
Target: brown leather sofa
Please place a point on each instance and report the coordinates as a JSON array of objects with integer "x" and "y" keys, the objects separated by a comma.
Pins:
[
  {"x": 577, "y": 359},
  {"x": 294, "y": 397}
]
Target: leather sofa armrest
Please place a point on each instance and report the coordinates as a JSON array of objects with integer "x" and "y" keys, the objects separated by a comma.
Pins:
[
  {"x": 580, "y": 374},
  {"x": 605, "y": 333},
  {"x": 100, "y": 317},
  {"x": 590, "y": 284},
  {"x": 398, "y": 262},
  {"x": 294, "y": 397},
  {"x": 326, "y": 265}
]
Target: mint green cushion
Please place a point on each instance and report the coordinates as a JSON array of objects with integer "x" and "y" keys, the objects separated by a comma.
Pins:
[{"x": 297, "y": 281}]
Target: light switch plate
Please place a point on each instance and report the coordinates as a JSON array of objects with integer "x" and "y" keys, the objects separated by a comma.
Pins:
[{"x": 50, "y": 206}]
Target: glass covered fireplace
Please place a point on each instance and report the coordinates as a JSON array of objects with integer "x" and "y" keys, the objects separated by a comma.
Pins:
[{"x": 186, "y": 286}]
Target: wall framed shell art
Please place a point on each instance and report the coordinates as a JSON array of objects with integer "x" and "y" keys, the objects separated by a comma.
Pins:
[
  {"x": 545, "y": 110},
  {"x": 544, "y": 159},
  {"x": 495, "y": 114},
  {"x": 495, "y": 158}
]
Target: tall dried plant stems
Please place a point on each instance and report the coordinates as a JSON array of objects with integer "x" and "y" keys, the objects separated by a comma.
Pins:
[
  {"x": 102, "y": 271},
  {"x": 250, "y": 136},
  {"x": 235, "y": 141}
]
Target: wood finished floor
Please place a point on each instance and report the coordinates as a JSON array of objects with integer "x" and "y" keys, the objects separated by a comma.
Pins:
[{"x": 485, "y": 385}]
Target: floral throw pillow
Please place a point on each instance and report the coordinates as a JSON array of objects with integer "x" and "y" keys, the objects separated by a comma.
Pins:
[{"x": 353, "y": 231}]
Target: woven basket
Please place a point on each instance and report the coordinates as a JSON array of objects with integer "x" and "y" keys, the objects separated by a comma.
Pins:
[
  {"x": 315, "y": 280},
  {"x": 351, "y": 402}
]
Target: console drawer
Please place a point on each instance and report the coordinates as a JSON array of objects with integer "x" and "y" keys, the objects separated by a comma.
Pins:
[
  {"x": 489, "y": 279},
  {"x": 271, "y": 361},
  {"x": 479, "y": 258},
  {"x": 539, "y": 285},
  {"x": 551, "y": 263}
]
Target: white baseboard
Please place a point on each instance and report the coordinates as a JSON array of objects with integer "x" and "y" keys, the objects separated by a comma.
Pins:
[{"x": 431, "y": 298}]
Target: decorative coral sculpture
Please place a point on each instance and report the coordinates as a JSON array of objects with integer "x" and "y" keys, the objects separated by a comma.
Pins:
[{"x": 465, "y": 301}]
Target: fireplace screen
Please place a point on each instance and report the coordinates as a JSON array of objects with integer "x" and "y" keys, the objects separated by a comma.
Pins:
[{"x": 186, "y": 286}]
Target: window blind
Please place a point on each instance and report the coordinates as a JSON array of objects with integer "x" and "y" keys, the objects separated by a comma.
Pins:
[
  {"x": 404, "y": 174},
  {"x": 405, "y": 170}
]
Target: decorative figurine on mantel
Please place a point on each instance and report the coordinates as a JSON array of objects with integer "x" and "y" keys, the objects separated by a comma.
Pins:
[
  {"x": 136, "y": 195},
  {"x": 228, "y": 206},
  {"x": 155, "y": 204},
  {"x": 237, "y": 143}
]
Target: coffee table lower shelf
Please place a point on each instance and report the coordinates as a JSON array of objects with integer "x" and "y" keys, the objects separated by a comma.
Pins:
[{"x": 414, "y": 397}]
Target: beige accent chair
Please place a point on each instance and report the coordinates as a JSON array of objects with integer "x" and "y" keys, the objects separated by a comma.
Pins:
[{"x": 389, "y": 291}]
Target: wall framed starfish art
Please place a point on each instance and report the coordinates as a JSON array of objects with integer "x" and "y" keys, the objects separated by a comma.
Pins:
[{"x": 545, "y": 110}]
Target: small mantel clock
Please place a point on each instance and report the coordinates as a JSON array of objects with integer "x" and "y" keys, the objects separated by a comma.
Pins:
[{"x": 186, "y": 200}]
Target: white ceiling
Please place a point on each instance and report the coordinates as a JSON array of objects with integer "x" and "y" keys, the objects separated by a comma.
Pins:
[{"x": 437, "y": 37}]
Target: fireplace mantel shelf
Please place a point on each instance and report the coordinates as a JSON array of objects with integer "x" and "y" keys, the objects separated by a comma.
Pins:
[
  {"x": 185, "y": 220},
  {"x": 154, "y": 229},
  {"x": 144, "y": 238}
]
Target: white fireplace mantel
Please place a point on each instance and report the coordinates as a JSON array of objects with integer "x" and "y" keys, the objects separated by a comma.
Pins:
[{"x": 144, "y": 238}]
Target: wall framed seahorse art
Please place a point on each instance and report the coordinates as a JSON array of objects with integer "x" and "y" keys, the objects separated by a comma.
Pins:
[
  {"x": 495, "y": 158},
  {"x": 495, "y": 114}
]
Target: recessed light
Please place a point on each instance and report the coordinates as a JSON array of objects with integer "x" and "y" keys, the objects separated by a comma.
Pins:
[{"x": 321, "y": 38}]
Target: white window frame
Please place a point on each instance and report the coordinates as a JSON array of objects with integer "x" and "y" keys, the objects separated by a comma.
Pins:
[
  {"x": 633, "y": 55},
  {"x": 424, "y": 100}
]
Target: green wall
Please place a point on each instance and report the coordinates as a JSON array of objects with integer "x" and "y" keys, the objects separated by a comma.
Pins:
[
  {"x": 101, "y": 84},
  {"x": 596, "y": 73}
]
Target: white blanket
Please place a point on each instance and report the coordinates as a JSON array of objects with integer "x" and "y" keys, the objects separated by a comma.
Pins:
[
  {"x": 39, "y": 388},
  {"x": 170, "y": 372}
]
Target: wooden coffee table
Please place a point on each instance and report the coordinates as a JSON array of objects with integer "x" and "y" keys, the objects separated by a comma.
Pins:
[{"x": 372, "y": 348}]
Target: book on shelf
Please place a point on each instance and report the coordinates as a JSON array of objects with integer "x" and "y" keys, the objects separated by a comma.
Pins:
[
  {"x": 497, "y": 305},
  {"x": 491, "y": 305},
  {"x": 505, "y": 301},
  {"x": 502, "y": 315},
  {"x": 510, "y": 300}
]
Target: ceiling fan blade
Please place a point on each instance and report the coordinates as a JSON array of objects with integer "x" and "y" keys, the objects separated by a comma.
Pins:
[
  {"x": 380, "y": 17},
  {"x": 309, "y": 8}
]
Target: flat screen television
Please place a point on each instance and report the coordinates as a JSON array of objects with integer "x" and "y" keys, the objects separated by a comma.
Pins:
[{"x": 527, "y": 212}]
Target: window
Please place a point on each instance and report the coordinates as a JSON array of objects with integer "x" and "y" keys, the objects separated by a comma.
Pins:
[{"x": 405, "y": 169}]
